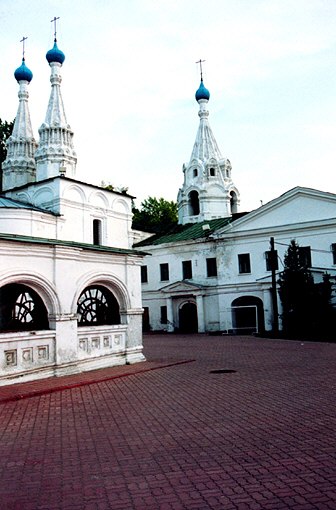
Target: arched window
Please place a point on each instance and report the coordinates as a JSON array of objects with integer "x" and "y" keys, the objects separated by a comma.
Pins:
[
  {"x": 195, "y": 172},
  {"x": 193, "y": 203},
  {"x": 21, "y": 309},
  {"x": 97, "y": 232},
  {"x": 233, "y": 202},
  {"x": 97, "y": 306},
  {"x": 212, "y": 172}
]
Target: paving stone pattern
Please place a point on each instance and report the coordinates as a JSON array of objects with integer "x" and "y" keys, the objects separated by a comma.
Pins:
[{"x": 176, "y": 436}]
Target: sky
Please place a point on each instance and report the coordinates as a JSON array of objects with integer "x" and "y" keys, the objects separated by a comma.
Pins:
[{"x": 130, "y": 76}]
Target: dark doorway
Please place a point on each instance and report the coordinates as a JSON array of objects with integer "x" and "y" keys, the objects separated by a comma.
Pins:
[
  {"x": 188, "y": 318},
  {"x": 247, "y": 315}
]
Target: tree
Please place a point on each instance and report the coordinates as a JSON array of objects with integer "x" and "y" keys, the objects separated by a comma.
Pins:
[
  {"x": 6, "y": 129},
  {"x": 155, "y": 215},
  {"x": 302, "y": 300}
]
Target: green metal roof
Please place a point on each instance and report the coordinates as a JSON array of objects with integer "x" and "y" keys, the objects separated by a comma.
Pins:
[
  {"x": 72, "y": 244},
  {"x": 186, "y": 232}
]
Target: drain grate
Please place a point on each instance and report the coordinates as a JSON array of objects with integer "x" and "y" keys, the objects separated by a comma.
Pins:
[{"x": 222, "y": 371}]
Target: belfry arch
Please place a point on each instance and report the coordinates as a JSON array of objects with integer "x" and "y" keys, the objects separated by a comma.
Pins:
[{"x": 193, "y": 202}]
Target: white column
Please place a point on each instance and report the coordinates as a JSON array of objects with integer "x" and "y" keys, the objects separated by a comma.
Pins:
[
  {"x": 200, "y": 314},
  {"x": 170, "y": 315}
]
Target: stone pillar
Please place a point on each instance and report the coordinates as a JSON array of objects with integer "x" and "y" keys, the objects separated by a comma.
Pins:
[
  {"x": 200, "y": 314},
  {"x": 170, "y": 315},
  {"x": 66, "y": 348},
  {"x": 133, "y": 319}
]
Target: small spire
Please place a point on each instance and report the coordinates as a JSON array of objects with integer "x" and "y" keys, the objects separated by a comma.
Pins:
[
  {"x": 55, "y": 31},
  {"x": 200, "y": 64}
]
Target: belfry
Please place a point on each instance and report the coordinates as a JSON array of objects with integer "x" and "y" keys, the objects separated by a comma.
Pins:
[{"x": 208, "y": 191}]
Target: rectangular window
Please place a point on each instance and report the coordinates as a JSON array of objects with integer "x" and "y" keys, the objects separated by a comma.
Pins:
[
  {"x": 244, "y": 263},
  {"x": 333, "y": 251},
  {"x": 164, "y": 272},
  {"x": 305, "y": 256},
  {"x": 164, "y": 318},
  {"x": 186, "y": 269},
  {"x": 271, "y": 260},
  {"x": 97, "y": 232},
  {"x": 144, "y": 275},
  {"x": 211, "y": 267}
]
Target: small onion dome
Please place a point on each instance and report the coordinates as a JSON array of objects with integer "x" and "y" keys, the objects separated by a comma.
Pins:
[
  {"x": 23, "y": 73},
  {"x": 202, "y": 93},
  {"x": 55, "y": 55}
]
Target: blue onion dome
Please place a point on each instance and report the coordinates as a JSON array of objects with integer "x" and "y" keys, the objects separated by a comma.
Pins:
[
  {"x": 23, "y": 73},
  {"x": 55, "y": 55},
  {"x": 202, "y": 92}
]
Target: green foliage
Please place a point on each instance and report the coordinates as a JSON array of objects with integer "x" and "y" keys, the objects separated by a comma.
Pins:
[
  {"x": 155, "y": 215},
  {"x": 118, "y": 189},
  {"x": 6, "y": 129},
  {"x": 306, "y": 305}
]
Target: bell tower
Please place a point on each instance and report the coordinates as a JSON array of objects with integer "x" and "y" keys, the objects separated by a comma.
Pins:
[
  {"x": 19, "y": 166},
  {"x": 208, "y": 191},
  {"x": 55, "y": 152}
]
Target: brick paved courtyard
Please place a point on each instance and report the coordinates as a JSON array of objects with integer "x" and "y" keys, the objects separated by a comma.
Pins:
[{"x": 169, "y": 435}]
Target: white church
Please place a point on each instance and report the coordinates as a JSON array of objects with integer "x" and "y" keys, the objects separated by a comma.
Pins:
[
  {"x": 70, "y": 291},
  {"x": 213, "y": 272}
]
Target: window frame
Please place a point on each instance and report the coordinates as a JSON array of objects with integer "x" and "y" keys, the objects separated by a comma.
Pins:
[
  {"x": 268, "y": 259},
  {"x": 163, "y": 314},
  {"x": 186, "y": 269},
  {"x": 211, "y": 266},
  {"x": 305, "y": 256},
  {"x": 244, "y": 263},
  {"x": 144, "y": 274},
  {"x": 164, "y": 272}
]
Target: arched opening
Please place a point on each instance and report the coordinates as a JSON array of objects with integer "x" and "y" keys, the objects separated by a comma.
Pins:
[
  {"x": 195, "y": 172},
  {"x": 97, "y": 232},
  {"x": 212, "y": 172},
  {"x": 193, "y": 203},
  {"x": 97, "y": 306},
  {"x": 21, "y": 309},
  {"x": 247, "y": 315},
  {"x": 188, "y": 318},
  {"x": 233, "y": 202}
]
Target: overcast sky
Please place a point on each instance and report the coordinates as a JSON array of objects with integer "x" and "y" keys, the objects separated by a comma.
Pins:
[{"x": 130, "y": 76}]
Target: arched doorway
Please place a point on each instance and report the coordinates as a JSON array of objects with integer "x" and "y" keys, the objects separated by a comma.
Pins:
[
  {"x": 21, "y": 309},
  {"x": 97, "y": 306},
  {"x": 188, "y": 318},
  {"x": 247, "y": 315}
]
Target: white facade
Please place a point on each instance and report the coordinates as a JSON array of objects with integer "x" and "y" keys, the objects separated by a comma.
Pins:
[
  {"x": 70, "y": 292},
  {"x": 306, "y": 215},
  {"x": 213, "y": 272}
]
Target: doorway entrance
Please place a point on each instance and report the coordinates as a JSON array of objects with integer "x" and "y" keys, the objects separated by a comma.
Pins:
[
  {"x": 188, "y": 318},
  {"x": 247, "y": 315}
]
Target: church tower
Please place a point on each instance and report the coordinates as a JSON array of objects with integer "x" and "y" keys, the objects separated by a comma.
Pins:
[
  {"x": 55, "y": 153},
  {"x": 208, "y": 191},
  {"x": 19, "y": 166}
]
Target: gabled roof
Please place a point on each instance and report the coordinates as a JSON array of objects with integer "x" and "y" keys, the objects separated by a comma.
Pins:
[
  {"x": 186, "y": 232},
  {"x": 182, "y": 287},
  {"x": 296, "y": 206}
]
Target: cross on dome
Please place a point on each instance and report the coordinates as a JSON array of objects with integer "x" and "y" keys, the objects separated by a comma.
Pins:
[{"x": 201, "y": 92}]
